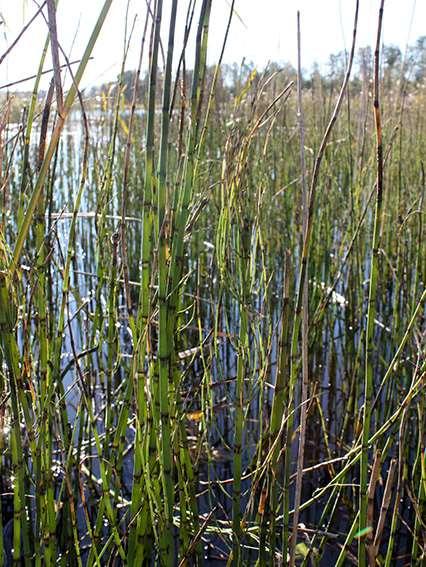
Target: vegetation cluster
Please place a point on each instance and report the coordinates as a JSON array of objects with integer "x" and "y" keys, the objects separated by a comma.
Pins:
[{"x": 213, "y": 308}]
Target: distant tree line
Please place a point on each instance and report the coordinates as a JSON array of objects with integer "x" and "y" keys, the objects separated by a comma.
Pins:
[{"x": 408, "y": 67}]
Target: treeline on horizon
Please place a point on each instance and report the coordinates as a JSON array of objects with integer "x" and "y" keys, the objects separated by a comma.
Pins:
[
  {"x": 406, "y": 69},
  {"x": 409, "y": 68}
]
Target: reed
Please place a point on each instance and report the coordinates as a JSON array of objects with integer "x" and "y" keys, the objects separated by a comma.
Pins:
[{"x": 212, "y": 306}]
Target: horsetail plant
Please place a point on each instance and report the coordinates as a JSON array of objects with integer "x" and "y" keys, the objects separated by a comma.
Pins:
[
  {"x": 185, "y": 372},
  {"x": 371, "y": 313}
]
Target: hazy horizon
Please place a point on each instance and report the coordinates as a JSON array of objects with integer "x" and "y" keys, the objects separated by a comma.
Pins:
[{"x": 258, "y": 33}]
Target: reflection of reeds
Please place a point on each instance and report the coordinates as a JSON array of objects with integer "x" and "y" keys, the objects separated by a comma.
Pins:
[{"x": 190, "y": 364}]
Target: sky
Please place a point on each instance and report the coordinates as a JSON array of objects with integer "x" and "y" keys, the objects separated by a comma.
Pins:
[{"x": 261, "y": 31}]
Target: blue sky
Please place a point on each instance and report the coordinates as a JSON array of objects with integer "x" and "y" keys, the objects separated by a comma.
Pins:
[{"x": 262, "y": 30}]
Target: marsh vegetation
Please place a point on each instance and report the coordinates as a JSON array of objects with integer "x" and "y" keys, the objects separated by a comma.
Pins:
[{"x": 212, "y": 309}]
